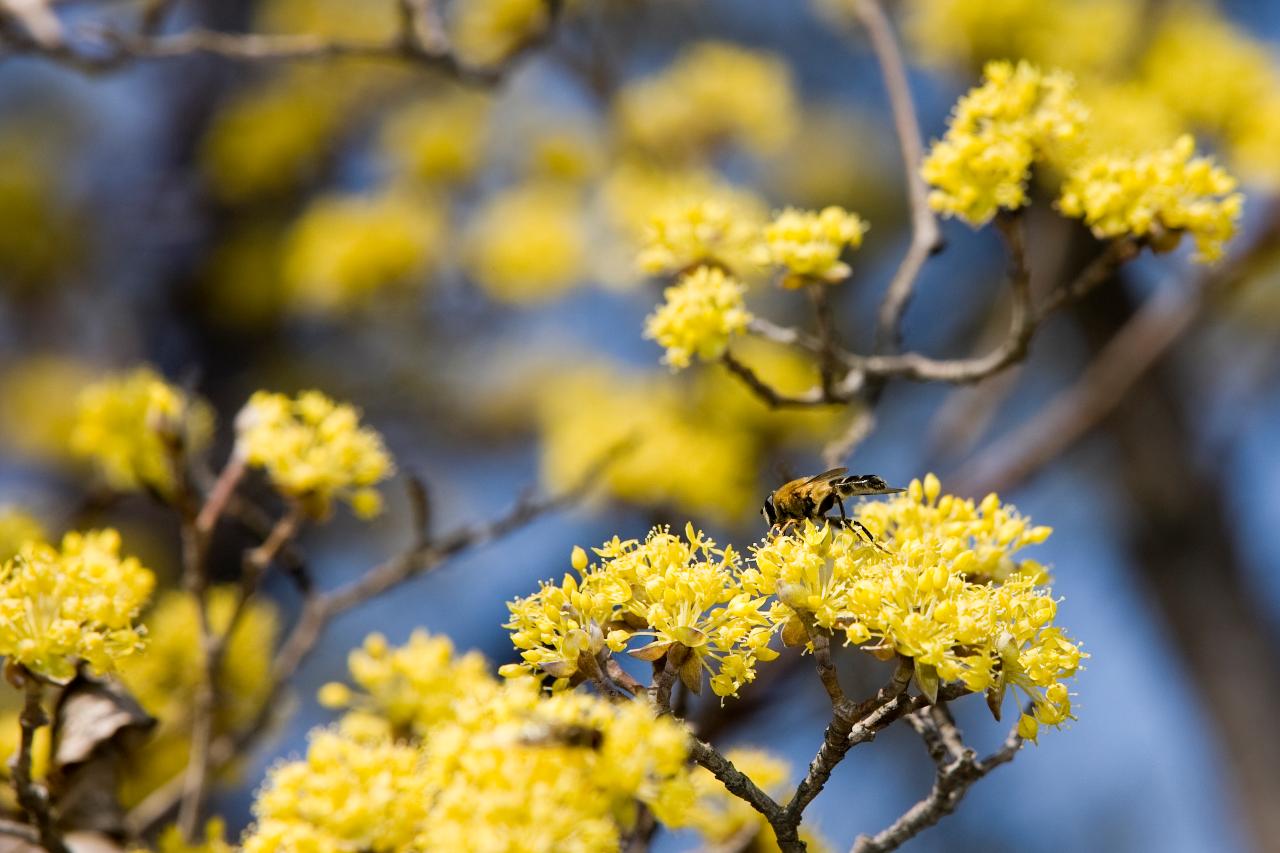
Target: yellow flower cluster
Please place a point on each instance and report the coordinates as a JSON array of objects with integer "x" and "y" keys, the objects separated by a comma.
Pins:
[
  {"x": 171, "y": 840},
  {"x": 944, "y": 589},
  {"x": 683, "y": 595},
  {"x": 487, "y": 32},
  {"x": 346, "y": 250},
  {"x": 38, "y": 404},
  {"x": 721, "y": 229},
  {"x": 1079, "y": 35},
  {"x": 130, "y": 424},
  {"x": 528, "y": 244},
  {"x": 1156, "y": 197},
  {"x": 167, "y": 677},
  {"x": 808, "y": 244},
  {"x": 587, "y": 414},
  {"x": 17, "y": 528},
  {"x": 78, "y": 603},
  {"x": 723, "y": 818},
  {"x": 314, "y": 450},
  {"x": 440, "y": 139},
  {"x": 1016, "y": 118},
  {"x": 712, "y": 93},
  {"x": 491, "y": 767},
  {"x": 701, "y": 312},
  {"x": 412, "y": 688}
]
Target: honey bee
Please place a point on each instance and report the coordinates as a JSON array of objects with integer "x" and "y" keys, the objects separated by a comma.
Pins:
[{"x": 813, "y": 497}]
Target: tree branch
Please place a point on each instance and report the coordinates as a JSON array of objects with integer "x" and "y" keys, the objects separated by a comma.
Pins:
[{"x": 31, "y": 796}]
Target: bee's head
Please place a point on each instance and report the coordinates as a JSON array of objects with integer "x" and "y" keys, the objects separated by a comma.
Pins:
[
  {"x": 870, "y": 484},
  {"x": 770, "y": 514}
]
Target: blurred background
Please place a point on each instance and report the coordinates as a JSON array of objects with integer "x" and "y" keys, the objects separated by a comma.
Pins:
[{"x": 457, "y": 259}]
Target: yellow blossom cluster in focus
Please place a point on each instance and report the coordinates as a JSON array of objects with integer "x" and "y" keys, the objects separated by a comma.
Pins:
[
  {"x": 1017, "y": 117},
  {"x": 808, "y": 244},
  {"x": 131, "y": 425},
  {"x": 683, "y": 596},
  {"x": 314, "y": 450},
  {"x": 493, "y": 766},
  {"x": 80, "y": 602},
  {"x": 699, "y": 315},
  {"x": 710, "y": 94},
  {"x": 1157, "y": 197},
  {"x": 944, "y": 589},
  {"x": 346, "y": 250},
  {"x": 719, "y": 229}
]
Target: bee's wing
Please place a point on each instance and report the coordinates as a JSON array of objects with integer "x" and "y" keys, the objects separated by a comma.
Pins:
[{"x": 833, "y": 474}]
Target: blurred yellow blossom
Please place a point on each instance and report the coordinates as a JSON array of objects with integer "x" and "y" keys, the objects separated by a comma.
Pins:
[
  {"x": 1158, "y": 197},
  {"x": 314, "y": 450},
  {"x": 681, "y": 595},
  {"x": 347, "y": 250},
  {"x": 940, "y": 586},
  {"x": 38, "y": 404},
  {"x": 166, "y": 678},
  {"x": 214, "y": 840},
  {"x": 487, "y": 32},
  {"x": 1081, "y": 36},
  {"x": 38, "y": 237},
  {"x": 129, "y": 425},
  {"x": 17, "y": 528},
  {"x": 331, "y": 18},
  {"x": 808, "y": 244},
  {"x": 720, "y": 229},
  {"x": 440, "y": 138},
  {"x": 713, "y": 92},
  {"x": 699, "y": 315},
  {"x": 270, "y": 138},
  {"x": 1017, "y": 117},
  {"x": 1126, "y": 117},
  {"x": 528, "y": 243},
  {"x": 77, "y": 603},
  {"x": 589, "y": 413}
]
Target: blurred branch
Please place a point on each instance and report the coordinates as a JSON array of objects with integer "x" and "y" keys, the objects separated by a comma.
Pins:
[
  {"x": 420, "y": 40},
  {"x": 926, "y": 237}
]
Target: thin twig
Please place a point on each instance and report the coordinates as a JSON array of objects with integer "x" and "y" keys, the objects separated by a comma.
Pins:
[
  {"x": 772, "y": 397},
  {"x": 926, "y": 236},
  {"x": 734, "y": 780},
  {"x": 31, "y": 796}
]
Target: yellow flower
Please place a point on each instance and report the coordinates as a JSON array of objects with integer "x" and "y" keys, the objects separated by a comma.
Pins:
[
  {"x": 646, "y": 421},
  {"x": 270, "y": 139},
  {"x": 1018, "y": 117},
  {"x": 314, "y": 450},
  {"x": 487, "y": 32},
  {"x": 1079, "y": 35},
  {"x": 38, "y": 405},
  {"x": 413, "y": 687},
  {"x": 1158, "y": 197},
  {"x": 346, "y": 250},
  {"x": 809, "y": 244},
  {"x": 528, "y": 244},
  {"x": 722, "y": 229},
  {"x": 78, "y": 603},
  {"x": 129, "y": 425},
  {"x": 712, "y": 93},
  {"x": 682, "y": 595},
  {"x": 493, "y": 766},
  {"x": 701, "y": 312},
  {"x": 17, "y": 528},
  {"x": 166, "y": 677},
  {"x": 943, "y": 589},
  {"x": 441, "y": 138}
]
